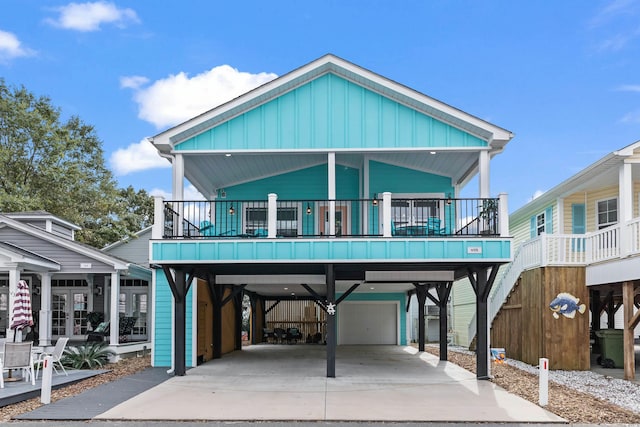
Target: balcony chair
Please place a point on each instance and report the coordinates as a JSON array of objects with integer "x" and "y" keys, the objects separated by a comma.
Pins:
[
  {"x": 17, "y": 355},
  {"x": 260, "y": 232},
  {"x": 433, "y": 227},
  {"x": 207, "y": 229},
  {"x": 56, "y": 356}
]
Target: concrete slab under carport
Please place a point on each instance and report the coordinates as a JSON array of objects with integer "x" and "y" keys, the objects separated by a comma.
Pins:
[{"x": 288, "y": 382}]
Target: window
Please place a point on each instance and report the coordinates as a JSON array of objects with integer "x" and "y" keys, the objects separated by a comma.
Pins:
[
  {"x": 540, "y": 223},
  {"x": 287, "y": 220},
  {"x": 607, "y": 213}
]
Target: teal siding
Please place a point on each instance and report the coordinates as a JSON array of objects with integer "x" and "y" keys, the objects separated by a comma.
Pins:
[
  {"x": 384, "y": 177},
  {"x": 305, "y": 184},
  {"x": 395, "y": 296},
  {"x": 578, "y": 218},
  {"x": 332, "y": 250},
  {"x": 330, "y": 113},
  {"x": 162, "y": 323}
]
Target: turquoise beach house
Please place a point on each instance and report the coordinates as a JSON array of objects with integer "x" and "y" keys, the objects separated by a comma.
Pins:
[{"x": 330, "y": 184}]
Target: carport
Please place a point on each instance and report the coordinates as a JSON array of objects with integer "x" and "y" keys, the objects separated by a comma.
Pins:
[
  {"x": 288, "y": 383},
  {"x": 322, "y": 283}
]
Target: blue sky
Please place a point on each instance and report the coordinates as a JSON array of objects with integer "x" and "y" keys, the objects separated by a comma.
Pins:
[{"x": 563, "y": 76}]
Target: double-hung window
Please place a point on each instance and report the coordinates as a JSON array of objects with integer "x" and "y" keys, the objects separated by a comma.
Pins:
[
  {"x": 607, "y": 212},
  {"x": 540, "y": 223}
]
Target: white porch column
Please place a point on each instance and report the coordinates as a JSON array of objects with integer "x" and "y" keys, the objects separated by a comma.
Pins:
[
  {"x": 331, "y": 186},
  {"x": 157, "y": 229},
  {"x": 625, "y": 206},
  {"x": 44, "y": 326},
  {"x": 366, "y": 195},
  {"x": 114, "y": 328},
  {"x": 483, "y": 165},
  {"x": 272, "y": 216},
  {"x": 386, "y": 214},
  {"x": 178, "y": 190},
  {"x": 14, "y": 277},
  {"x": 503, "y": 215}
]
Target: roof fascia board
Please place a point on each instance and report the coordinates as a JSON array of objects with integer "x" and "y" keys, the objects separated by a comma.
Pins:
[
  {"x": 66, "y": 243},
  {"x": 338, "y": 150},
  {"x": 49, "y": 217}
]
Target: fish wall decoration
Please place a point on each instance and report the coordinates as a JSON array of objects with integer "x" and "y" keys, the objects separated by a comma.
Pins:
[{"x": 567, "y": 305}]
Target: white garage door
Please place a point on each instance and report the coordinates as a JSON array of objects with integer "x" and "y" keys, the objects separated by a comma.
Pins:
[{"x": 368, "y": 323}]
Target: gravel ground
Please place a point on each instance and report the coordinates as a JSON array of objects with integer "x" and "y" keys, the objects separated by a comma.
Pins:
[
  {"x": 582, "y": 397},
  {"x": 578, "y": 396}
]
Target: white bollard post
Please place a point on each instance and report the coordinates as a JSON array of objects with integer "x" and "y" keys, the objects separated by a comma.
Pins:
[
  {"x": 543, "y": 388},
  {"x": 47, "y": 372}
]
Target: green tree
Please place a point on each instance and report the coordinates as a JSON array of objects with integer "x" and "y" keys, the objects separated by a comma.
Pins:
[{"x": 50, "y": 165}]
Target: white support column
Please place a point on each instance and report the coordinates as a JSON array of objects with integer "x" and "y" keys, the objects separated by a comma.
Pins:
[
  {"x": 272, "y": 216},
  {"x": 114, "y": 329},
  {"x": 44, "y": 319},
  {"x": 178, "y": 190},
  {"x": 14, "y": 277},
  {"x": 366, "y": 195},
  {"x": 331, "y": 186},
  {"x": 483, "y": 180},
  {"x": 625, "y": 206},
  {"x": 386, "y": 214},
  {"x": 503, "y": 215},
  {"x": 157, "y": 229}
]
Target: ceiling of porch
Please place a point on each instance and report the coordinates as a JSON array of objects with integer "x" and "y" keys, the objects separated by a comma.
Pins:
[{"x": 209, "y": 172}]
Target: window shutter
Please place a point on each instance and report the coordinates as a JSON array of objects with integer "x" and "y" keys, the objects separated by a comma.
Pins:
[
  {"x": 548, "y": 220},
  {"x": 578, "y": 219},
  {"x": 533, "y": 227}
]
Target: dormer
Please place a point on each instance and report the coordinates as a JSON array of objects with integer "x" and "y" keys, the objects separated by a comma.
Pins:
[{"x": 47, "y": 222}]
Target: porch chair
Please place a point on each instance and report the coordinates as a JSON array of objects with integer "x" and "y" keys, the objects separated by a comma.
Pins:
[
  {"x": 56, "y": 356},
  {"x": 98, "y": 334},
  {"x": 207, "y": 229},
  {"x": 17, "y": 355},
  {"x": 433, "y": 226},
  {"x": 260, "y": 232}
]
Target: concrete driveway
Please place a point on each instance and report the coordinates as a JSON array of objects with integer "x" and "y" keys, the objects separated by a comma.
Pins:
[{"x": 288, "y": 382}]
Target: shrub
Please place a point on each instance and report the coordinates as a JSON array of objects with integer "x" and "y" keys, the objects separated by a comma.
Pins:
[{"x": 87, "y": 356}]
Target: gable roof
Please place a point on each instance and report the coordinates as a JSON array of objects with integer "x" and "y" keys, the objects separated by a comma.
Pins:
[
  {"x": 31, "y": 260},
  {"x": 602, "y": 173},
  {"x": 86, "y": 250},
  {"x": 496, "y": 136},
  {"x": 210, "y": 169}
]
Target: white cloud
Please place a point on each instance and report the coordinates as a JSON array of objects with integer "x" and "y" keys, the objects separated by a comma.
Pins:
[
  {"x": 632, "y": 117},
  {"x": 172, "y": 100},
  {"x": 137, "y": 157},
  {"x": 90, "y": 16},
  {"x": 11, "y": 47},
  {"x": 629, "y": 88},
  {"x": 133, "y": 82}
]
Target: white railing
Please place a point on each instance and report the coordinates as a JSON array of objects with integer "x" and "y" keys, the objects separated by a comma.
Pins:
[
  {"x": 617, "y": 241},
  {"x": 528, "y": 255}
]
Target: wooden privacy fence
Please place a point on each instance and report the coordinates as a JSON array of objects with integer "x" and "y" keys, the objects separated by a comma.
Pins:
[{"x": 304, "y": 315}]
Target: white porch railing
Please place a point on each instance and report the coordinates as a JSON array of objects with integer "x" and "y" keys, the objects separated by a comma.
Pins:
[{"x": 563, "y": 250}]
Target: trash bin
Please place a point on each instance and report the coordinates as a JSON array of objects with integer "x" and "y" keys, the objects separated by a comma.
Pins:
[{"x": 611, "y": 342}]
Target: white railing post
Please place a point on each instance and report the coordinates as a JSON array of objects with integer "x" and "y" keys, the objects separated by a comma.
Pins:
[
  {"x": 543, "y": 249},
  {"x": 503, "y": 215},
  {"x": 386, "y": 214},
  {"x": 272, "y": 216},
  {"x": 624, "y": 239},
  {"x": 157, "y": 229}
]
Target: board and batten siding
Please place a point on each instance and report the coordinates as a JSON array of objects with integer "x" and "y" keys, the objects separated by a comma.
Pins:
[
  {"x": 163, "y": 331},
  {"x": 308, "y": 184},
  {"x": 69, "y": 260},
  {"x": 384, "y": 177},
  {"x": 330, "y": 112}
]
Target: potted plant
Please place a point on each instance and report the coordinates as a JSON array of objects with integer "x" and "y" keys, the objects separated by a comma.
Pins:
[{"x": 489, "y": 216}]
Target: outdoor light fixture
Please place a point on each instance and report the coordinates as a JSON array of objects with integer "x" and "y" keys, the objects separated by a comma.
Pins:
[
  {"x": 97, "y": 290},
  {"x": 448, "y": 198},
  {"x": 308, "y": 209},
  {"x": 375, "y": 201},
  {"x": 231, "y": 210}
]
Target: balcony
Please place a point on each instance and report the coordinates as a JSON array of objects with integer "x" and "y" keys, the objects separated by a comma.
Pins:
[{"x": 317, "y": 219}]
